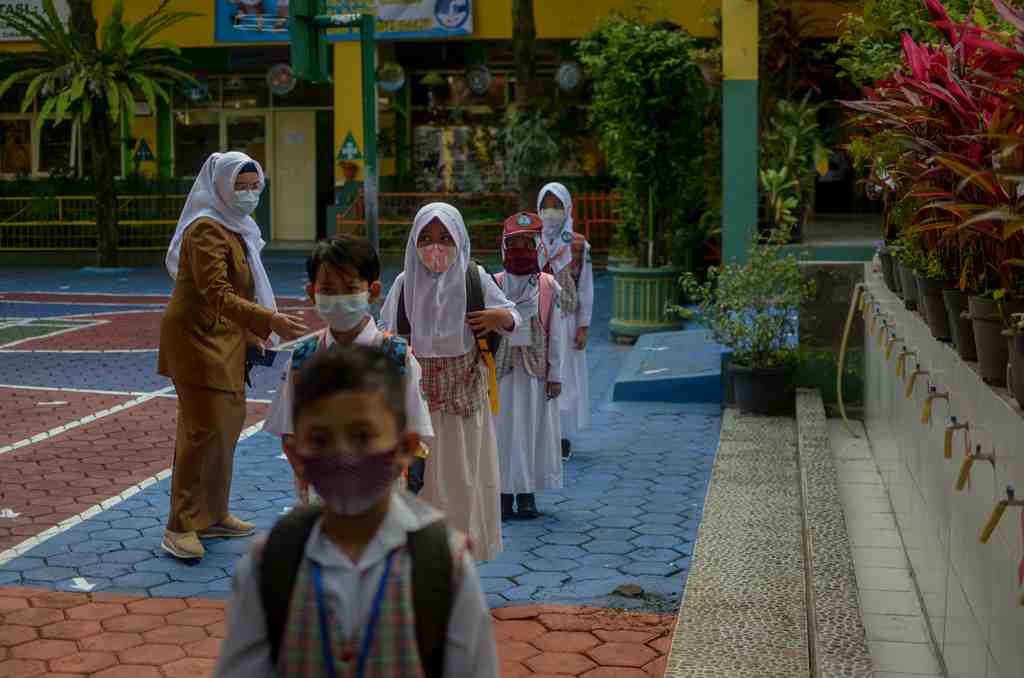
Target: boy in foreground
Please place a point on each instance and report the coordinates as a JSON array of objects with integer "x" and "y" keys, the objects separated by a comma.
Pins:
[{"x": 371, "y": 582}]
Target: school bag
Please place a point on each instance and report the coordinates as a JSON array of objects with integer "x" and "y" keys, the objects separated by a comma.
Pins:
[
  {"x": 474, "y": 302},
  {"x": 432, "y": 592}
]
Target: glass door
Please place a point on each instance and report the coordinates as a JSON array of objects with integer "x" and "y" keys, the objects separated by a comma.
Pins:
[{"x": 247, "y": 132}]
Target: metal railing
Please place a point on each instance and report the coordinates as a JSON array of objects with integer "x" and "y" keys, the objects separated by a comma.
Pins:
[
  {"x": 595, "y": 215},
  {"x": 68, "y": 222}
]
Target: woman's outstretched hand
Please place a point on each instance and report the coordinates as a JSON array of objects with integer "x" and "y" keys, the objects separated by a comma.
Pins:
[{"x": 287, "y": 326}]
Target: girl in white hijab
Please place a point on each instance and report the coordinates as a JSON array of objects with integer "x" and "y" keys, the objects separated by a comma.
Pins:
[
  {"x": 529, "y": 373},
  {"x": 461, "y": 476},
  {"x": 568, "y": 259},
  {"x": 210, "y": 322}
]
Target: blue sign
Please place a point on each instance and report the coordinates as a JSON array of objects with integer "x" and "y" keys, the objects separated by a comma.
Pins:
[
  {"x": 267, "y": 20},
  {"x": 143, "y": 153}
]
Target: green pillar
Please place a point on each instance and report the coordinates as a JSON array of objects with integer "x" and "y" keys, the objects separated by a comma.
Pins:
[
  {"x": 740, "y": 107},
  {"x": 164, "y": 154}
]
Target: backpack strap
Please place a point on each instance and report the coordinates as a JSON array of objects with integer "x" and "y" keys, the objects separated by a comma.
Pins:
[
  {"x": 404, "y": 329},
  {"x": 489, "y": 343},
  {"x": 282, "y": 556},
  {"x": 432, "y": 593},
  {"x": 546, "y": 297},
  {"x": 396, "y": 348}
]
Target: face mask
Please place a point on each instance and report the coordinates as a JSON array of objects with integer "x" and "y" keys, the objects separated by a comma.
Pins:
[
  {"x": 521, "y": 261},
  {"x": 344, "y": 311},
  {"x": 437, "y": 258},
  {"x": 552, "y": 217},
  {"x": 350, "y": 484},
  {"x": 246, "y": 201}
]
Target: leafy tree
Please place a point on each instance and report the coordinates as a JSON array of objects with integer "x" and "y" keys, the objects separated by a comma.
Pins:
[
  {"x": 649, "y": 107},
  {"x": 92, "y": 81}
]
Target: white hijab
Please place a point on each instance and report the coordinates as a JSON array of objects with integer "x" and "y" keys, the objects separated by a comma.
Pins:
[
  {"x": 436, "y": 303},
  {"x": 557, "y": 240},
  {"x": 210, "y": 198}
]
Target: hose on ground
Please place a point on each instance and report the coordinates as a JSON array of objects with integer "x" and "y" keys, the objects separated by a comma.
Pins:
[{"x": 858, "y": 292}]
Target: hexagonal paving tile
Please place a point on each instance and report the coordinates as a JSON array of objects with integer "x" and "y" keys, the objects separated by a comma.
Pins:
[{"x": 622, "y": 654}]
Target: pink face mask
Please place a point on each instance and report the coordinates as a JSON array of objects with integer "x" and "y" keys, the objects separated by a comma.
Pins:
[
  {"x": 437, "y": 258},
  {"x": 351, "y": 483}
]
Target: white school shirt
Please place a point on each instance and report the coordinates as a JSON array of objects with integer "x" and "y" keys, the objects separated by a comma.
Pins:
[
  {"x": 349, "y": 589},
  {"x": 494, "y": 297},
  {"x": 279, "y": 419},
  {"x": 585, "y": 291}
]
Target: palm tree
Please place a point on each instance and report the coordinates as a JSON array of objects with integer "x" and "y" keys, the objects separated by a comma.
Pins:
[{"x": 92, "y": 82}]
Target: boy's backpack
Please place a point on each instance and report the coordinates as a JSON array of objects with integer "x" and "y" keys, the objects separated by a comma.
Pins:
[
  {"x": 432, "y": 592},
  {"x": 474, "y": 302}
]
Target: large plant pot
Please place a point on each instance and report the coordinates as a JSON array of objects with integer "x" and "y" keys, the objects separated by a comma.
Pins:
[
  {"x": 909, "y": 286},
  {"x": 922, "y": 308},
  {"x": 888, "y": 268},
  {"x": 960, "y": 327},
  {"x": 988, "y": 338},
  {"x": 767, "y": 392},
  {"x": 935, "y": 308},
  {"x": 1015, "y": 367},
  {"x": 639, "y": 301}
]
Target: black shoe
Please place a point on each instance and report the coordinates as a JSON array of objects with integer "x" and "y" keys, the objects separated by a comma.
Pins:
[
  {"x": 507, "y": 507},
  {"x": 566, "y": 449},
  {"x": 526, "y": 507}
]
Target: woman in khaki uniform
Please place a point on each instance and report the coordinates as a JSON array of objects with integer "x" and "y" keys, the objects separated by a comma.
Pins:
[{"x": 222, "y": 303}]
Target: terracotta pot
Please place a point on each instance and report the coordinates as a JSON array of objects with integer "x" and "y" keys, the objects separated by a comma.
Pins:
[
  {"x": 909, "y": 287},
  {"x": 988, "y": 338},
  {"x": 960, "y": 326},
  {"x": 931, "y": 298}
]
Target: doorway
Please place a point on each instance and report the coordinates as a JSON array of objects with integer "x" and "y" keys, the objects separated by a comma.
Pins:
[{"x": 295, "y": 176}]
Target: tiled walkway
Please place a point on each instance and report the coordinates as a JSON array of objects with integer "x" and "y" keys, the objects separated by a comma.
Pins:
[{"x": 628, "y": 515}]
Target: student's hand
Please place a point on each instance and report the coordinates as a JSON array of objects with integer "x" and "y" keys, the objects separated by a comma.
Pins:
[
  {"x": 490, "y": 320},
  {"x": 257, "y": 343},
  {"x": 581, "y": 338},
  {"x": 554, "y": 390},
  {"x": 287, "y": 327}
]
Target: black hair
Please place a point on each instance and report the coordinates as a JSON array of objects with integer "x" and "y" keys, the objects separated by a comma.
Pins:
[
  {"x": 347, "y": 253},
  {"x": 249, "y": 167},
  {"x": 351, "y": 368}
]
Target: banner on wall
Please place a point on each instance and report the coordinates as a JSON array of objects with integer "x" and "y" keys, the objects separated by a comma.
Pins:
[
  {"x": 267, "y": 20},
  {"x": 8, "y": 34}
]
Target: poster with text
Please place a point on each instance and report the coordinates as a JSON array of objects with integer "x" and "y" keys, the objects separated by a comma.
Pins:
[
  {"x": 267, "y": 20},
  {"x": 8, "y": 34}
]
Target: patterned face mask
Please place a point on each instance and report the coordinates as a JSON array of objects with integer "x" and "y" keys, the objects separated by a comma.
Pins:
[
  {"x": 436, "y": 258},
  {"x": 350, "y": 484}
]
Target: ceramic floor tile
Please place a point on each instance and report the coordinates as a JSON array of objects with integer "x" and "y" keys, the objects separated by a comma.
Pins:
[
  {"x": 904, "y": 657},
  {"x": 884, "y": 579},
  {"x": 870, "y": 556},
  {"x": 889, "y": 602},
  {"x": 876, "y": 538},
  {"x": 896, "y": 628}
]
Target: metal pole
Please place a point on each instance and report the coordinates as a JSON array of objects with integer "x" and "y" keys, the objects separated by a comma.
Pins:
[{"x": 370, "y": 195}]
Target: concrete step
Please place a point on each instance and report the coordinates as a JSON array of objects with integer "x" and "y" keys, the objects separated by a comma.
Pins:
[{"x": 677, "y": 367}]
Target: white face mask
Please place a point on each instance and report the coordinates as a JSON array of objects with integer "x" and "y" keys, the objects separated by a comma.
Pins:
[
  {"x": 246, "y": 201},
  {"x": 344, "y": 311},
  {"x": 553, "y": 218}
]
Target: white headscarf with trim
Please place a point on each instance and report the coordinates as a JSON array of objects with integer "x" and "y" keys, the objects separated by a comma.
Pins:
[
  {"x": 436, "y": 303},
  {"x": 211, "y": 198},
  {"x": 558, "y": 240}
]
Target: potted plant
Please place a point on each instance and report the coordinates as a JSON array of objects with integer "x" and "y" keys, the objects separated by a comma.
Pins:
[
  {"x": 792, "y": 144},
  {"x": 1015, "y": 350},
  {"x": 907, "y": 257},
  {"x": 650, "y": 107},
  {"x": 931, "y": 281},
  {"x": 751, "y": 308}
]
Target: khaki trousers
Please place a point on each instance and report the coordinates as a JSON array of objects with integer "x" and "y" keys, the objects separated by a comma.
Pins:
[{"x": 209, "y": 424}]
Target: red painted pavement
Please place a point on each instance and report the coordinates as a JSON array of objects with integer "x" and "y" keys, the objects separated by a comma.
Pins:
[
  {"x": 25, "y": 415},
  {"x": 51, "y": 480},
  {"x": 111, "y": 636}
]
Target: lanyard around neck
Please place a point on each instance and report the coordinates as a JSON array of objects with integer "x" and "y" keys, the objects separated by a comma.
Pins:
[{"x": 371, "y": 627}]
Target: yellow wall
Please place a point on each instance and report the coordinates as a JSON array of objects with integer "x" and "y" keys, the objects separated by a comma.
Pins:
[{"x": 492, "y": 18}]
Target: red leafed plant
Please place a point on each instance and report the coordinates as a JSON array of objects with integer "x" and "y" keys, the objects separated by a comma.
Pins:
[{"x": 944, "y": 137}]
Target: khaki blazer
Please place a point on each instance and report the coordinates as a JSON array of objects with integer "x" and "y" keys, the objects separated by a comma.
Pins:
[{"x": 211, "y": 316}]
